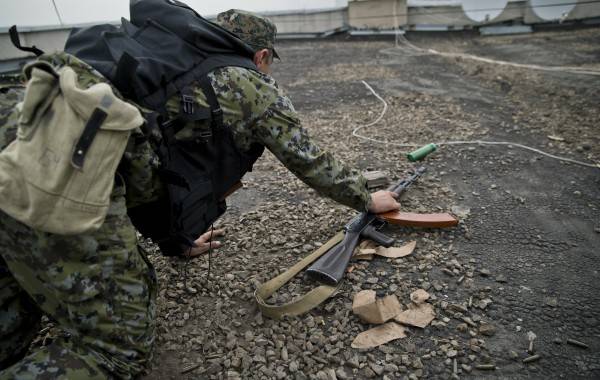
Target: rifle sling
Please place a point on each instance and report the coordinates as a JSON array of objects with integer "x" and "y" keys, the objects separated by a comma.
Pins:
[
  {"x": 306, "y": 302},
  {"x": 319, "y": 294}
]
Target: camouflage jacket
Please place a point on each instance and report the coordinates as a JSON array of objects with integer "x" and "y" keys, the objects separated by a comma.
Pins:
[
  {"x": 256, "y": 111},
  {"x": 11, "y": 93}
]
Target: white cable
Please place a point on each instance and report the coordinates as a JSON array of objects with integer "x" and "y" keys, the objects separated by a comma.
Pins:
[
  {"x": 458, "y": 142},
  {"x": 385, "y": 107},
  {"x": 567, "y": 69}
]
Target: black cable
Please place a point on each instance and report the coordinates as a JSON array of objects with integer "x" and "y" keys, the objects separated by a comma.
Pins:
[
  {"x": 427, "y": 13},
  {"x": 188, "y": 257},
  {"x": 212, "y": 228}
]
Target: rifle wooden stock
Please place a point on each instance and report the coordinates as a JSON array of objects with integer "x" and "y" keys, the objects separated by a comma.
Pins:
[{"x": 411, "y": 219}]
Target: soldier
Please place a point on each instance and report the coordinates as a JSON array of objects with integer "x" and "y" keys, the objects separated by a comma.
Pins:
[{"x": 99, "y": 287}]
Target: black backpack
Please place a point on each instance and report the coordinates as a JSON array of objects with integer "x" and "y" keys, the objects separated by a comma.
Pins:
[{"x": 165, "y": 48}]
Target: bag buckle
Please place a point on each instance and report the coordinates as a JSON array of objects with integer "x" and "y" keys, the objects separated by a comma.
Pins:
[
  {"x": 188, "y": 104},
  {"x": 205, "y": 134}
]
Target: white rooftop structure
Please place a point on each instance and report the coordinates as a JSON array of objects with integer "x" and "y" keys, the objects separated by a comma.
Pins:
[{"x": 49, "y": 25}]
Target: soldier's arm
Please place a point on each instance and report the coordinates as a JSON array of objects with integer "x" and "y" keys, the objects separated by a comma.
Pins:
[
  {"x": 259, "y": 112},
  {"x": 280, "y": 130}
]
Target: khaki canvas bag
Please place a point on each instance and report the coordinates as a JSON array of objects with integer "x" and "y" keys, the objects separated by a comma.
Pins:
[{"x": 58, "y": 174}]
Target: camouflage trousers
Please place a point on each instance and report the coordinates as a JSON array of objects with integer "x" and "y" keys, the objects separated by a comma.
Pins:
[{"x": 99, "y": 288}]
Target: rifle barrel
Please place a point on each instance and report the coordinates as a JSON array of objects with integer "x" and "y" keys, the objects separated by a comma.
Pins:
[{"x": 402, "y": 184}]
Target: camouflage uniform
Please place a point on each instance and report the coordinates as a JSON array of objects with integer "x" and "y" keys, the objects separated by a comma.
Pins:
[
  {"x": 99, "y": 287},
  {"x": 11, "y": 92},
  {"x": 257, "y": 112}
]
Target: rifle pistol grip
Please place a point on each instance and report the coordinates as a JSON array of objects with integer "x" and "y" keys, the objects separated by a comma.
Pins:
[{"x": 372, "y": 234}]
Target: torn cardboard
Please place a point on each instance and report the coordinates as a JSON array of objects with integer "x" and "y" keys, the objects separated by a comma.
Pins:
[
  {"x": 397, "y": 252},
  {"x": 365, "y": 250},
  {"x": 372, "y": 310},
  {"x": 417, "y": 315},
  {"x": 367, "y": 244},
  {"x": 419, "y": 296},
  {"x": 364, "y": 254},
  {"x": 379, "y": 335}
]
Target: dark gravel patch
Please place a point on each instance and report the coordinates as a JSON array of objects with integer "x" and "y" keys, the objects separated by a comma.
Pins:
[{"x": 526, "y": 257}]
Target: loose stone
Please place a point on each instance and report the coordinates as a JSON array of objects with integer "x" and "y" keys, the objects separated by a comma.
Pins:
[
  {"x": 577, "y": 343},
  {"x": 532, "y": 358}
]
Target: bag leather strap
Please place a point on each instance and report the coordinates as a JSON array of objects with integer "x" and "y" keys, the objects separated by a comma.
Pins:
[{"x": 87, "y": 137}]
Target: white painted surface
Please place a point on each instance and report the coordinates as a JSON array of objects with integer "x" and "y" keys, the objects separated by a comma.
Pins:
[
  {"x": 433, "y": 3},
  {"x": 27, "y": 12},
  {"x": 41, "y": 12},
  {"x": 483, "y": 10},
  {"x": 444, "y": 3},
  {"x": 552, "y": 9}
]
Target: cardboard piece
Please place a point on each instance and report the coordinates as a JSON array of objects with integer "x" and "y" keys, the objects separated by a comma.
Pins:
[
  {"x": 372, "y": 310},
  {"x": 419, "y": 296},
  {"x": 363, "y": 299},
  {"x": 396, "y": 252},
  {"x": 365, "y": 250},
  {"x": 363, "y": 257},
  {"x": 367, "y": 244},
  {"x": 379, "y": 335},
  {"x": 417, "y": 315}
]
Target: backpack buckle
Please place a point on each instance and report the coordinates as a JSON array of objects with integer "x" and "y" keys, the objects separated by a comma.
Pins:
[
  {"x": 205, "y": 134},
  {"x": 188, "y": 104}
]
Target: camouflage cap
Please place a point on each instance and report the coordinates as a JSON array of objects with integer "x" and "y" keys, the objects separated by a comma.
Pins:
[{"x": 255, "y": 30}]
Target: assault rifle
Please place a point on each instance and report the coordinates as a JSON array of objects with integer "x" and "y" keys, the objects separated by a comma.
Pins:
[
  {"x": 332, "y": 258},
  {"x": 330, "y": 267}
]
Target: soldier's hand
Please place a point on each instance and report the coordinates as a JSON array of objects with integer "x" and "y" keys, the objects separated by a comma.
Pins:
[
  {"x": 383, "y": 201},
  {"x": 204, "y": 243}
]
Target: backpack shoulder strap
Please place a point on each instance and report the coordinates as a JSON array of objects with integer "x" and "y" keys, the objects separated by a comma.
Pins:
[
  {"x": 216, "y": 113},
  {"x": 126, "y": 68},
  {"x": 157, "y": 99}
]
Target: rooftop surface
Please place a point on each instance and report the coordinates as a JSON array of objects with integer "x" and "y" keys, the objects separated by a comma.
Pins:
[{"x": 524, "y": 258}]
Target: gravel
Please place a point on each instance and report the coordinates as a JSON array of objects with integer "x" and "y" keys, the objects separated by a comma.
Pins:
[{"x": 212, "y": 323}]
